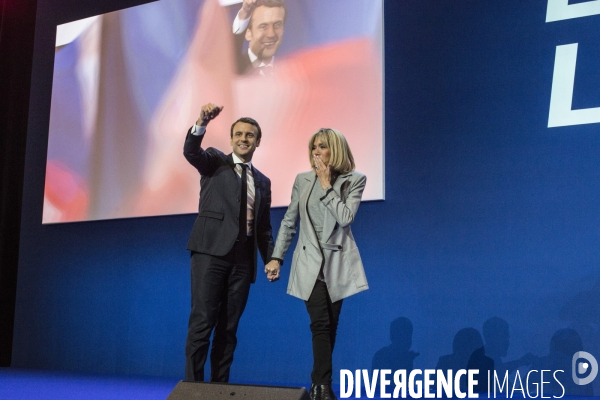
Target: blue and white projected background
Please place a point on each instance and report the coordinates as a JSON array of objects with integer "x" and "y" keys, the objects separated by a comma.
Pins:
[{"x": 492, "y": 209}]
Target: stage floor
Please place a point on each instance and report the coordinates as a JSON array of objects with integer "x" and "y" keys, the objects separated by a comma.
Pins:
[
  {"x": 20, "y": 384},
  {"x": 23, "y": 384}
]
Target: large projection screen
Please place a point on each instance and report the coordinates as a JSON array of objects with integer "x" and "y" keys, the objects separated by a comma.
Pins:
[{"x": 128, "y": 85}]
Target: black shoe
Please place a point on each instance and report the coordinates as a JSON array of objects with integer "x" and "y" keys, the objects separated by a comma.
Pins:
[
  {"x": 331, "y": 394},
  {"x": 326, "y": 393},
  {"x": 315, "y": 392}
]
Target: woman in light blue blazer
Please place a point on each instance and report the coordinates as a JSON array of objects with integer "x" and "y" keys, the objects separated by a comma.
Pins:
[{"x": 326, "y": 266}]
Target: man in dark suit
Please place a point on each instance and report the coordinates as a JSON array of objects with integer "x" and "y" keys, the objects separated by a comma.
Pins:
[
  {"x": 233, "y": 220},
  {"x": 261, "y": 23}
]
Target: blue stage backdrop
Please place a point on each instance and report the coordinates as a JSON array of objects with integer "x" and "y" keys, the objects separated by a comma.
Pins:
[{"x": 490, "y": 217}]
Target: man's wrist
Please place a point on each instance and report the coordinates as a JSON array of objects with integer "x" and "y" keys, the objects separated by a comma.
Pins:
[
  {"x": 279, "y": 260},
  {"x": 198, "y": 130}
]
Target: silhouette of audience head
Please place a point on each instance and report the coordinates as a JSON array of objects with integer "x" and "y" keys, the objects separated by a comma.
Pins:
[
  {"x": 398, "y": 354},
  {"x": 565, "y": 342},
  {"x": 466, "y": 341},
  {"x": 497, "y": 337},
  {"x": 401, "y": 331}
]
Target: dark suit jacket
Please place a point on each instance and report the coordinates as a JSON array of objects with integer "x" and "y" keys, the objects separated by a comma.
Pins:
[
  {"x": 242, "y": 59},
  {"x": 216, "y": 228}
]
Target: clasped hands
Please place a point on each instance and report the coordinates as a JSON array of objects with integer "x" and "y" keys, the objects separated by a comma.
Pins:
[{"x": 272, "y": 270}]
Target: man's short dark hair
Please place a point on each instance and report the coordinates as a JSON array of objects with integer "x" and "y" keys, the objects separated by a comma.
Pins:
[
  {"x": 271, "y": 3},
  {"x": 250, "y": 121}
]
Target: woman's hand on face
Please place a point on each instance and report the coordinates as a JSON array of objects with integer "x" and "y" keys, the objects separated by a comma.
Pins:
[
  {"x": 323, "y": 172},
  {"x": 272, "y": 270}
]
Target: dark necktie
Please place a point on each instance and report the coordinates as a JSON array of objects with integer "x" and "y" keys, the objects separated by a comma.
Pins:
[{"x": 243, "y": 233}]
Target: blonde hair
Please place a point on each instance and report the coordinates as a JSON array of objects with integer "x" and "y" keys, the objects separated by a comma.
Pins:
[{"x": 341, "y": 159}]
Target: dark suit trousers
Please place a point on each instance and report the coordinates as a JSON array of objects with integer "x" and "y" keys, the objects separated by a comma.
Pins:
[
  {"x": 220, "y": 287},
  {"x": 324, "y": 317}
]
